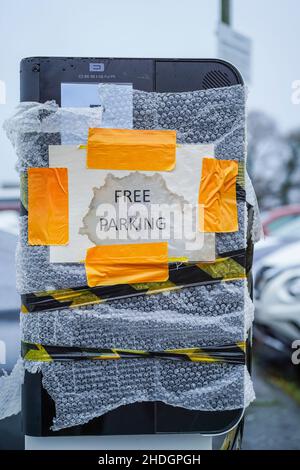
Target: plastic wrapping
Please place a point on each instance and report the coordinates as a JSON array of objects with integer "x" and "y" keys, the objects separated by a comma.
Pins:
[
  {"x": 210, "y": 116},
  {"x": 35, "y": 126},
  {"x": 203, "y": 315},
  {"x": 211, "y": 314},
  {"x": 10, "y": 391},
  {"x": 117, "y": 103},
  {"x": 35, "y": 273},
  {"x": 84, "y": 390},
  {"x": 257, "y": 232}
]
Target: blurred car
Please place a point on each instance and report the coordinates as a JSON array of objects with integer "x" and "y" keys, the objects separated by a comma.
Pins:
[
  {"x": 10, "y": 198},
  {"x": 9, "y": 222},
  {"x": 277, "y": 219},
  {"x": 9, "y": 301},
  {"x": 277, "y": 298},
  {"x": 281, "y": 227},
  {"x": 10, "y": 428}
]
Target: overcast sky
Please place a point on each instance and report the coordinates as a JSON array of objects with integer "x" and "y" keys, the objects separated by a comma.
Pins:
[{"x": 152, "y": 28}]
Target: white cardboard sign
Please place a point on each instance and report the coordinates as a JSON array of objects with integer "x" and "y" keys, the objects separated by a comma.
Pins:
[{"x": 91, "y": 191}]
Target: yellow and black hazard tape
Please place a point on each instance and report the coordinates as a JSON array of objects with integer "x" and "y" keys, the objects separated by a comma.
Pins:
[
  {"x": 230, "y": 266},
  {"x": 240, "y": 183},
  {"x": 230, "y": 354},
  {"x": 23, "y": 193}
]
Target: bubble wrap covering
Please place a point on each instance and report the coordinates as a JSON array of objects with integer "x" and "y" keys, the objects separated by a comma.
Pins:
[
  {"x": 212, "y": 314},
  {"x": 82, "y": 391},
  {"x": 208, "y": 116},
  {"x": 193, "y": 316},
  {"x": 10, "y": 391}
]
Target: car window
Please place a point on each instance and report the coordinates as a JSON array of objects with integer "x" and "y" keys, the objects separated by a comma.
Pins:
[
  {"x": 290, "y": 228},
  {"x": 276, "y": 225}
]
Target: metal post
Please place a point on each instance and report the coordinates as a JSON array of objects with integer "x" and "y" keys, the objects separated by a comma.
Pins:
[{"x": 226, "y": 11}]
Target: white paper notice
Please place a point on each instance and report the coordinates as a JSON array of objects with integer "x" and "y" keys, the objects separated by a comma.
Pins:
[{"x": 157, "y": 205}]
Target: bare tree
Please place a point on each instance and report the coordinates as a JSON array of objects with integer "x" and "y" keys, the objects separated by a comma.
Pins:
[{"x": 269, "y": 155}]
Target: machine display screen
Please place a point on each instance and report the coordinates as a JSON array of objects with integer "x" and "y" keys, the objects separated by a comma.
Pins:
[{"x": 81, "y": 95}]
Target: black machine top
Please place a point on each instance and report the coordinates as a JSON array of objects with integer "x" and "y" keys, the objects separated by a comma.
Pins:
[{"x": 42, "y": 77}]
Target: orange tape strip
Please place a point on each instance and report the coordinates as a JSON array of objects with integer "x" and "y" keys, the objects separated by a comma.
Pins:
[
  {"x": 124, "y": 149},
  {"x": 217, "y": 194},
  {"x": 48, "y": 212},
  {"x": 127, "y": 264}
]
